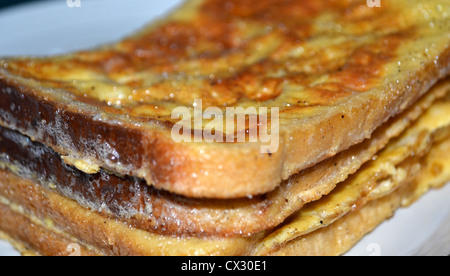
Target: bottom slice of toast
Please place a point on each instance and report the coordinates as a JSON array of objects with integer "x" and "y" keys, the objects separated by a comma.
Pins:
[
  {"x": 342, "y": 235},
  {"x": 41, "y": 222}
]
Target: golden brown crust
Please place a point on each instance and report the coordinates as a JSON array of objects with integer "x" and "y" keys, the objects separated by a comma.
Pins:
[
  {"x": 402, "y": 160},
  {"x": 335, "y": 86},
  {"x": 31, "y": 238},
  {"x": 108, "y": 236},
  {"x": 118, "y": 239},
  {"x": 397, "y": 164},
  {"x": 129, "y": 199},
  {"x": 343, "y": 234}
]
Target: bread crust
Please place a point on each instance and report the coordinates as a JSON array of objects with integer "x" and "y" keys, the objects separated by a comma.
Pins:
[
  {"x": 108, "y": 236},
  {"x": 345, "y": 102},
  {"x": 343, "y": 234},
  {"x": 31, "y": 238},
  {"x": 147, "y": 208}
]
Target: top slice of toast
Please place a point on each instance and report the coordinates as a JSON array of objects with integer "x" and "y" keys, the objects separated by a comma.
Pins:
[{"x": 335, "y": 70}]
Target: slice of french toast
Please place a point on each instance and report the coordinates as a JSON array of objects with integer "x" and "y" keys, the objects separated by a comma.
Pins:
[
  {"x": 131, "y": 201},
  {"x": 335, "y": 71},
  {"x": 39, "y": 219}
]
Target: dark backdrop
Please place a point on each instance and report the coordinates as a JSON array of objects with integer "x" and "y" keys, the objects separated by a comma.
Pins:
[{"x": 8, "y": 3}]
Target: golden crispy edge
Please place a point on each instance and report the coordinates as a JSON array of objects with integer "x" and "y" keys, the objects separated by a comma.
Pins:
[
  {"x": 313, "y": 183},
  {"x": 248, "y": 217},
  {"x": 19, "y": 193},
  {"x": 388, "y": 170},
  {"x": 34, "y": 238},
  {"x": 257, "y": 173},
  {"x": 109, "y": 236},
  {"x": 44, "y": 203},
  {"x": 30, "y": 238},
  {"x": 343, "y": 234}
]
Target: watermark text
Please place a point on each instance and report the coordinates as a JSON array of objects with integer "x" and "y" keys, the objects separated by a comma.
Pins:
[
  {"x": 73, "y": 3},
  {"x": 234, "y": 125},
  {"x": 374, "y": 3}
]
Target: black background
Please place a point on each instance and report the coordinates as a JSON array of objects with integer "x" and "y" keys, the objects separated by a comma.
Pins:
[{"x": 9, "y": 3}]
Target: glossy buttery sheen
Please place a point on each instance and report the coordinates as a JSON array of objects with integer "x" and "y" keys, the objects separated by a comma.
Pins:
[
  {"x": 337, "y": 70},
  {"x": 405, "y": 170}
]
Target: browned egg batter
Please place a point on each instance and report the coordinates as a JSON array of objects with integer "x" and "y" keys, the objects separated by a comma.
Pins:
[{"x": 295, "y": 55}]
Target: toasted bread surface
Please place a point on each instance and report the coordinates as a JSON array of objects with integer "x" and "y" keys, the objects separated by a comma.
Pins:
[
  {"x": 400, "y": 163},
  {"x": 32, "y": 237},
  {"x": 341, "y": 236},
  {"x": 144, "y": 207},
  {"x": 58, "y": 221},
  {"x": 337, "y": 70}
]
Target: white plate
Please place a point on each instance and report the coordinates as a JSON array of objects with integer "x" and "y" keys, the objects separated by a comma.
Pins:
[{"x": 51, "y": 27}]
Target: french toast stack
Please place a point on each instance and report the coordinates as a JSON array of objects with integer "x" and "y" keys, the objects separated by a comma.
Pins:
[{"x": 89, "y": 164}]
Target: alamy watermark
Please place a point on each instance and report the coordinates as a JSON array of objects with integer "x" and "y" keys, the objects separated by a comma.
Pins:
[
  {"x": 73, "y": 3},
  {"x": 234, "y": 125},
  {"x": 73, "y": 249},
  {"x": 77, "y": 3},
  {"x": 374, "y": 249},
  {"x": 374, "y": 3}
]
